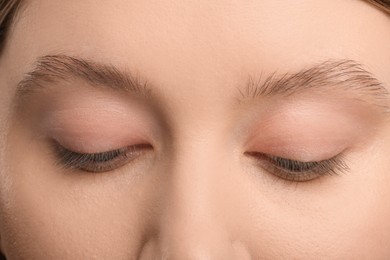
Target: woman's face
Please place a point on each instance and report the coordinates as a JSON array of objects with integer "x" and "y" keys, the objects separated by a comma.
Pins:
[{"x": 196, "y": 130}]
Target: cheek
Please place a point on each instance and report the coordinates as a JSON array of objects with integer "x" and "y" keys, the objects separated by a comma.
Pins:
[
  {"x": 56, "y": 221},
  {"x": 329, "y": 228},
  {"x": 345, "y": 217},
  {"x": 55, "y": 215}
]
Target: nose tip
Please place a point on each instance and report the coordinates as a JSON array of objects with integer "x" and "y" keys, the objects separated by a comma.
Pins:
[
  {"x": 189, "y": 229},
  {"x": 192, "y": 246},
  {"x": 192, "y": 226},
  {"x": 196, "y": 241}
]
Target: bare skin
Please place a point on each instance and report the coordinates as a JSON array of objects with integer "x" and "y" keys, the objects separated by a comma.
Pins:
[{"x": 185, "y": 167}]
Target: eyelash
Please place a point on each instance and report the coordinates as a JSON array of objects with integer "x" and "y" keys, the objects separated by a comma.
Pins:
[
  {"x": 287, "y": 169},
  {"x": 298, "y": 171},
  {"x": 99, "y": 162}
]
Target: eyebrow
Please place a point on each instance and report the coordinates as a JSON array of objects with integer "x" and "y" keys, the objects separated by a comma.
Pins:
[
  {"x": 328, "y": 77},
  {"x": 51, "y": 69}
]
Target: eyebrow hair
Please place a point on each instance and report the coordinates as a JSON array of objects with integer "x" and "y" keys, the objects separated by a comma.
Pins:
[
  {"x": 54, "y": 68},
  {"x": 343, "y": 75},
  {"x": 329, "y": 76}
]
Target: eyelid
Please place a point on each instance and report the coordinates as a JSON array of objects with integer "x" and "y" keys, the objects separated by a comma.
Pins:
[
  {"x": 299, "y": 126},
  {"x": 78, "y": 119}
]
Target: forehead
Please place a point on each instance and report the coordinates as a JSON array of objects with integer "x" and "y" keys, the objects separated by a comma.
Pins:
[{"x": 190, "y": 40}]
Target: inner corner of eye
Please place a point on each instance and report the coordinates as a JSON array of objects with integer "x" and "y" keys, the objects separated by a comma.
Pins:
[
  {"x": 60, "y": 146},
  {"x": 55, "y": 143},
  {"x": 255, "y": 154},
  {"x": 273, "y": 156}
]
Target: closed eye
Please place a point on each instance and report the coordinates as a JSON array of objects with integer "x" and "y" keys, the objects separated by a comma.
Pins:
[
  {"x": 298, "y": 171},
  {"x": 99, "y": 162}
]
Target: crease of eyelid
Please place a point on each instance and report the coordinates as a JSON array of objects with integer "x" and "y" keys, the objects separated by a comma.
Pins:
[{"x": 331, "y": 77}]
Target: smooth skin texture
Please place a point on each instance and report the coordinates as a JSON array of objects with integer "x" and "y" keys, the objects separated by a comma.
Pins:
[{"x": 196, "y": 193}]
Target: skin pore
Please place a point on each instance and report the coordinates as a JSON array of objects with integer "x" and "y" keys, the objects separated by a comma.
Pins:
[{"x": 195, "y": 130}]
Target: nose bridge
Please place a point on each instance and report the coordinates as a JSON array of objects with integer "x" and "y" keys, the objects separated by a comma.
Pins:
[{"x": 191, "y": 226}]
